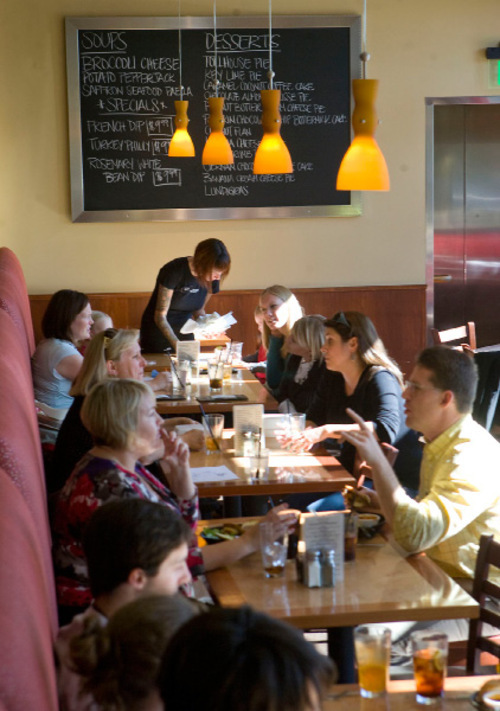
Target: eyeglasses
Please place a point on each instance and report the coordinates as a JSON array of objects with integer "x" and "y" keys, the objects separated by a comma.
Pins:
[{"x": 416, "y": 387}]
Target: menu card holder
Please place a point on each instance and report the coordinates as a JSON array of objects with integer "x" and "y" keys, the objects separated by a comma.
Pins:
[
  {"x": 188, "y": 350},
  {"x": 325, "y": 530},
  {"x": 245, "y": 418}
]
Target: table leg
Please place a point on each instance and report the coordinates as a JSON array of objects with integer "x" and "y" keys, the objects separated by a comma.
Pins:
[
  {"x": 232, "y": 506},
  {"x": 341, "y": 650}
]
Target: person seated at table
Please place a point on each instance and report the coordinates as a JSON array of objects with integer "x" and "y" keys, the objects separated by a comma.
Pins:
[
  {"x": 101, "y": 322},
  {"x": 252, "y": 662},
  {"x": 182, "y": 290},
  {"x": 280, "y": 309},
  {"x": 459, "y": 493},
  {"x": 258, "y": 358},
  {"x": 56, "y": 362},
  {"x": 360, "y": 375},
  {"x": 122, "y": 419},
  {"x": 304, "y": 365},
  {"x": 133, "y": 548},
  {"x": 111, "y": 353},
  {"x": 118, "y": 663}
]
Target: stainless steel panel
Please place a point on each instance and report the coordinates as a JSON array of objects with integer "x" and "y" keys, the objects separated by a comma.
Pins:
[
  {"x": 449, "y": 210},
  {"x": 463, "y": 213},
  {"x": 482, "y": 220}
]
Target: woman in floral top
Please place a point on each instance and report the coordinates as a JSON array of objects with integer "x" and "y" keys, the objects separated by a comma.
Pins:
[{"x": 121, "y": 416}]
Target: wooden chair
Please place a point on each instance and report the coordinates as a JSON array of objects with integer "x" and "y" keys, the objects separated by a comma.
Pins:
[
  {"x": 466, "y": 335},
  {"x": 488, "y": 596}
]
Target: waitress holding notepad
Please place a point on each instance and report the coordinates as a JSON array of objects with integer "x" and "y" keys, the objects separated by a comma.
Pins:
[{"x": 183, "y": 287}]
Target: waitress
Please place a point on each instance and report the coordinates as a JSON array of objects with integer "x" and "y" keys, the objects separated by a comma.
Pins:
[{"x": 182, "y": 290}]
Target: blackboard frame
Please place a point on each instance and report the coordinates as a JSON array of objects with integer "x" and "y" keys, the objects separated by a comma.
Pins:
[{"x": 73, "y": 27}]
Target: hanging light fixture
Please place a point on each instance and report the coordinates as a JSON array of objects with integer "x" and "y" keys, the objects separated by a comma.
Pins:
[
  {"x": 217, "y": 150},
  {"x": 272, "y": 155},
  {"x": 181, "y": 145},
  {"x": 363, "y": 166}
]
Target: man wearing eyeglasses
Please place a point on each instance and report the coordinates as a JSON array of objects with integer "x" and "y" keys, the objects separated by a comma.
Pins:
[{"x": 459, "y": 494}]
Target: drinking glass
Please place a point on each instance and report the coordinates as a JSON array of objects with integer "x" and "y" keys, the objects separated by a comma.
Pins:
[
  {"x": 213, "y": 426},
  {"x": 430, "y": 657},
  {"x": 350, "y": 535},
  {"x": 273, "y": 550},
  {"x": 215, "y": 374},
  {"x": 372, "y": 645}
]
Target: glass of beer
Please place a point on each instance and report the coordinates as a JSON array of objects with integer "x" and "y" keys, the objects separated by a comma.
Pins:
[
  {"x": 430, "y": 658},
  {"x": 273, "y": 550},
  {"x": 372, "y": 645}
]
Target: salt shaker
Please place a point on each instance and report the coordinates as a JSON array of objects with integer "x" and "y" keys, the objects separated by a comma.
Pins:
[{"x": 312, "y": 569}]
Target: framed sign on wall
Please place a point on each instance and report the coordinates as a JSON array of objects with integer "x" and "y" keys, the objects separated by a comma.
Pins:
[{"x": 123, "y": 79}]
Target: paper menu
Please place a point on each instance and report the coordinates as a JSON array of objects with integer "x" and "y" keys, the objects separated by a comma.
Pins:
[
  {"x": 188, "y": 350},
  {"x": 208, "y": 324},
  {"x": 245, "y": 418},
  {"x": 325, "y": 530}
]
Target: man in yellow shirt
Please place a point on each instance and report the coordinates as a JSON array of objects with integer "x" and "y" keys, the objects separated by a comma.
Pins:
[{"x": 459, "y": 494}]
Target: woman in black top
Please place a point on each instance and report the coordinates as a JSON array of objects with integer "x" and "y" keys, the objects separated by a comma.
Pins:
[
  {"x": 360, "y": 375},
  {"x": 183, "y": 287}
]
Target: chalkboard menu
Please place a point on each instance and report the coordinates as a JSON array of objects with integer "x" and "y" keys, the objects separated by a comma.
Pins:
[{"x": 123, "y": 79}]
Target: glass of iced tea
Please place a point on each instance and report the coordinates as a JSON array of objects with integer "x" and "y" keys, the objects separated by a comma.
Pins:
[
  {"x": 273, "y": 550},
  {"x": 213, "y": 426},
  {"x": 430, "y": 657},
  {"x": 216, "y": 374},
  {"x": 350, "y": 535},
  {"x": 372, "y": 645}
]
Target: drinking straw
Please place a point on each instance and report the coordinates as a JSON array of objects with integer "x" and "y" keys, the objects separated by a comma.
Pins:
[
  {"x": 258, "y": 453},
  {"x": 206, "y": 421}
]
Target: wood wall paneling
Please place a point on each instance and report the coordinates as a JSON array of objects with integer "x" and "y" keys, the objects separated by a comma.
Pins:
[{"x": 398, "y": 312}]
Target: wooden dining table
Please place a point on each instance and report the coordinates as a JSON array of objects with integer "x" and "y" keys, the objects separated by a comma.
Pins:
[
  {"x": 458, "y": 696},
  {"x": 242, "y": 384},
  {"x": 380, "y": 585},
  {"x": 289, "y": 473}
]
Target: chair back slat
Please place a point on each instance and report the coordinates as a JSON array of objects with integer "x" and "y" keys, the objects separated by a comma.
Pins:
[{"x": 487, "y": 593}]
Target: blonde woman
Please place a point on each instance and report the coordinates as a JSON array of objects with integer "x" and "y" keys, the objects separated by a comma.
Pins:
[
  {"x": 126, "y": 430},
  {"x": 304, "y": 364},
  {"x": 360, "y": 375},
  {"x": 280, "y": 309},
  {"x": 111, "y": 353}
]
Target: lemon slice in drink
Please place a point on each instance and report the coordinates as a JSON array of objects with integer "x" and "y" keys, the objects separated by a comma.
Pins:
[{"x": 438, "y": 660}]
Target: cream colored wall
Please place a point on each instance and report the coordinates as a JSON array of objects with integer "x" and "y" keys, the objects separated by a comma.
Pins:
[{"x": 419, "y": 49}]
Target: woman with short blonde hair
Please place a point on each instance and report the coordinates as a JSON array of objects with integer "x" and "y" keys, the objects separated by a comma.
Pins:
[
  {"x": 280, "y": 309},
  {"x": 113, "y": 353}
]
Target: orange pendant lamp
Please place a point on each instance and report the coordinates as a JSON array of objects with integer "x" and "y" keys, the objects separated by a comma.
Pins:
[
  {"x": 217, "y": 149},
  {"x": 272, "y": 155},
  {"x": 363, "y": 166},
  {"x": 181, "y": 145}
]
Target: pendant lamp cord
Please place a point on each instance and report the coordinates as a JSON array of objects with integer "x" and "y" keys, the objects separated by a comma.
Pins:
[
  {"x": 216, "y": 80},
  {"x": 181, "y": 88},
  {"x": 270, "y": 73},
  {"x": 364, "y": 56}
]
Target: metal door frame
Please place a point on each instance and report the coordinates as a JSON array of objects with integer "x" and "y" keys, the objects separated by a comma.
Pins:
[{"x": 430, "y": 103}]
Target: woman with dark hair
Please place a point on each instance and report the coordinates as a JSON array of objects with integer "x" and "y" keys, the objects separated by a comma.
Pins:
[
  {"x": 57, "y": 361},
  {"x": 360, "y": 375},
  {"x": 255, "y": 663},
  {"x": 183, "y": 288}
]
